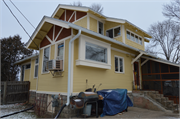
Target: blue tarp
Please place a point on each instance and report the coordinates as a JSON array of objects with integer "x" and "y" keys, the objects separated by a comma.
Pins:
[{"x": 114, "y": 101}]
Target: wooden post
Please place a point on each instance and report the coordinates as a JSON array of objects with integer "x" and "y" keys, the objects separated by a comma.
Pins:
[{"x": 5, "y": 93}]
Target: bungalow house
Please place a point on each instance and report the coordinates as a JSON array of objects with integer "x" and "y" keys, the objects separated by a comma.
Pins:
[{"x": 92, "y": 49}]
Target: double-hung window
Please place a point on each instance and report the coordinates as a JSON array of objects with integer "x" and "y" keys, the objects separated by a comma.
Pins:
[
  {"x": 100, "y": 27},
  {"x": 45, "y": 59},
  {"x": 114, "y": 32},
  {"x": 36, "y": 68},
  {"x": 96, "y": 52},
  {"x": 119, "y": 64},
  {"x": 60, "y": 51}
]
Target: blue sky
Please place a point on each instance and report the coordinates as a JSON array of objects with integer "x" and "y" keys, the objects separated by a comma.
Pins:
[{"x": 142, "y": 13}]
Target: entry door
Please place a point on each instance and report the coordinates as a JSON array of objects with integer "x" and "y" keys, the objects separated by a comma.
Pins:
[{"x": 136, "y": 75}]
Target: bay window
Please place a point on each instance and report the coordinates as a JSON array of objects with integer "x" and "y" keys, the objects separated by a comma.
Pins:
[{"x": 94, "y": 53}]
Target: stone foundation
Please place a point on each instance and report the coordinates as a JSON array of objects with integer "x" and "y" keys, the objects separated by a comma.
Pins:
[{"x": 41, "y": 108}]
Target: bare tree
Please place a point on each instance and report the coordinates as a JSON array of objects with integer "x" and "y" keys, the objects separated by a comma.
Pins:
[
  {"x": 172, "y": 10},
  {"x": 77, "y": 3},
  {"x": 97, "y": 7},
  {"x": 166, "y": 37}
]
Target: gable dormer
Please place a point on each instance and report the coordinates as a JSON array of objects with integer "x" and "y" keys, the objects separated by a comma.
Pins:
[{"x": 118, "y": 29}]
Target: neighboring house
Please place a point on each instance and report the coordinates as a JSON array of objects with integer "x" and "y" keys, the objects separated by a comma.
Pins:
[{"x": 105, "y": 50}]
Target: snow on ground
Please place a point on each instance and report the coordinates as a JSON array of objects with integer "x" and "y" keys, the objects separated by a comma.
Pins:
[{"x": 11, "y": 108}]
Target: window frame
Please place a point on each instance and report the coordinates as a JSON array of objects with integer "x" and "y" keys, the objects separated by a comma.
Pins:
[
  {"x": 43, "y": 57},
  {"x": 95, "y": 45},
  {"x": 140, "y": 43},
  {"x": 26, "y": 65},
  {"x": 113, "y": 31},
  {"x": 119, "y": 57},
  {"x": 98, "y": 27},
  {"x": 90, "y": 63},
  {"x": 56, "y": 50},
  {"x": 36, "y": 64}
]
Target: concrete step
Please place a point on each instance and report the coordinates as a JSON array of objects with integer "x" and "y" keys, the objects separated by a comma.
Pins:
[{"x": 158, "y": 99}]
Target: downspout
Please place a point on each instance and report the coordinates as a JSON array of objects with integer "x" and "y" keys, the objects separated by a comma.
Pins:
[{"x": 69, "y": 66}]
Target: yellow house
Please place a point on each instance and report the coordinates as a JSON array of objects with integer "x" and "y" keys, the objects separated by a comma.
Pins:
[{"x": 93, "y": 48}]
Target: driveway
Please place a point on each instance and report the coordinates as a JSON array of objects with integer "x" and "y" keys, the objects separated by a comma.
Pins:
[{"x": 135, "y": 112}]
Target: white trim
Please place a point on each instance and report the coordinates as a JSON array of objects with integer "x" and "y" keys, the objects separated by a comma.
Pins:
[
  {"x": 81, "y": 57},
  {"x": 49, "y": 20},
  {"x": 43, "y": 59},
  {"x": 58, "y": 33},
  {"x": 119, "y": 57},
  {"x": 137, "y": 57},
  {"x": 129, "y": 92},
  {"x": 49, "y": 39},
  {"x": 161, "y": 61},
  {"x": 122, "y": 51},
  {"x": 75, "y": 16},
  {"x": 30, "y": 71},
  {"x": 96, "y": 18},
  {"x": 116, "y": 20},
  {"x": 56, "y": 49},
  {"x": 144, "y": 62},
  {"x": 88, "y": 23},
  {"x": 123, "y": 34},
  {"x": 46, "y": 46},
  {"x": 33, "y": 90},
  {"x": 113, "y": 31},
  {"x": 72, "y": 65},
  {"x": 35, "y": 67},
  {"x": 64, "y": 15},
  {"x": 79, "y": 19},
  {"x": 53, "y": 32},
  {"x": 71, "y": 16},
  {"x": 92, "y": 64}
]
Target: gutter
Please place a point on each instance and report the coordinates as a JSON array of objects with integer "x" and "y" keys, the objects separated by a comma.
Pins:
[{"x": 69, "y": 66}]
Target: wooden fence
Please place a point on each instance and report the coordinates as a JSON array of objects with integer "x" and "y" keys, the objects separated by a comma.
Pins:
[{"x": 14, "y": 91}]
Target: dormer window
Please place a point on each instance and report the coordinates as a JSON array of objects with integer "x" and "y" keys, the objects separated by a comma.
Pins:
[
  {"x": 133, "y": 37},
  {"x": 114, "y": 32},
  {"x": 100, "y": 27}
]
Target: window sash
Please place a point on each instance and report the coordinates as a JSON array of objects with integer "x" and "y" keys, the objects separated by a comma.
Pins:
[
  {"x": 96, "y": 53},
  {"x": 100, "y": 25},
  {"x": 61, "y": 51},
  {"x": 45, "y": 58},
  {"x": 119, "y": 65},
  {"x": 36, "y": 71}
]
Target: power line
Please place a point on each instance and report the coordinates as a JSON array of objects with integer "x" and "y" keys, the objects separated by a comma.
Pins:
[
  {"x": 22, "y": 14},
  {"x": 20, "y": 23}
]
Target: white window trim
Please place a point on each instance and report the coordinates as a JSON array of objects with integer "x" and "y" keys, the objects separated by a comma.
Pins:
[
  {"x": 35, "y": 67},
  {"x": 43, "y": 58},
  {"x": 84, "y": 62},
  {"x": 56, "y": 51},
  {"x": 98, "y": 27},
  {"x": 134, "y": 37},
  {"x": 119, "y": 57},
  {"x": 113, "y": 31}
]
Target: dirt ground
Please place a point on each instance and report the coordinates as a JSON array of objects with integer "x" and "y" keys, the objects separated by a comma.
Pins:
[{"x": 135, "y": 112}]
